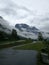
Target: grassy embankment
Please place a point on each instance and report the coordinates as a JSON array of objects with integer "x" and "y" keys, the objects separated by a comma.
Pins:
[
  {"x": 34, "y": 46},
  {"x": 13, "y": 43}
]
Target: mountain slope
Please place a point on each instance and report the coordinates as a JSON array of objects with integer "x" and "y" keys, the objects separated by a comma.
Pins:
[
  {"x": 4, "y": 26},
  {"x": 27, "y": 31}
]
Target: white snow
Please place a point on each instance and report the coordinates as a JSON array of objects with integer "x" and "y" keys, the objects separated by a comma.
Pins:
[
  {"x": 31, "y": 35},
  {"x": 26, "y": 34}
]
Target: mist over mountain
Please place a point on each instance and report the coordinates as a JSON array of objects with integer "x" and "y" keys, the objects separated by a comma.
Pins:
[
  {"x": 27, "y": 31},
  {"x": 7, "y": 32},
  {"x": 4, "y": 25},
  {"x": 23, "y": 30},
  {"x": 25, "y": 27}
]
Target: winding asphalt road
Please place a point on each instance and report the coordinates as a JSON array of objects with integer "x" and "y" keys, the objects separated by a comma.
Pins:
[{"x": 10, "y": 56}]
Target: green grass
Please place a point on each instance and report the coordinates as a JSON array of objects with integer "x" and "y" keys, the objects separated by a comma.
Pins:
[
  {"x": 2, "y": 42},
  {"x": 5, "y": 41},
  {"x": 36, "y": 46},
  {"x": 14, "y": 43}
]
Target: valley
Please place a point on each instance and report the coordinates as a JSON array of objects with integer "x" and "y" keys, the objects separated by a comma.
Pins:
[{"x": 21, "y": 42}]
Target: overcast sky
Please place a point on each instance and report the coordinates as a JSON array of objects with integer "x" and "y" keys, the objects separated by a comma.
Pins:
[{"x": 32, "y": 12}]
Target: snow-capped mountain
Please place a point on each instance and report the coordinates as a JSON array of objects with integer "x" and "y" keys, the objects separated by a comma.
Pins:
[
  {"x": 23, "y": 30},
  {"x": 27, "y": 31},
  {"x": 4, "y": 26}
]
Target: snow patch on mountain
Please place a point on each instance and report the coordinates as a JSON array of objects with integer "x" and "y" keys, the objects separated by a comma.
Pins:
[{"x": 27, "y": 31}]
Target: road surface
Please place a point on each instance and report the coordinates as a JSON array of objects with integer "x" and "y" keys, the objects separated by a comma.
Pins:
[{"x": 10, "y": 56}]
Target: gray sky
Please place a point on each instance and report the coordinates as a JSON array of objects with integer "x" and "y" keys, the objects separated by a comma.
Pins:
[{"x": 32, "y": 12}]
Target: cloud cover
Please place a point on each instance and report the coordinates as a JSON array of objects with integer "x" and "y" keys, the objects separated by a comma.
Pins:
[{"x": 32, "y": 12}]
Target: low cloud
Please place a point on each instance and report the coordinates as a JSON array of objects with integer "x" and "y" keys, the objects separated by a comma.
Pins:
[
  {"x": 32, "y": 14},
  {"x": 12, "y": 9}
]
